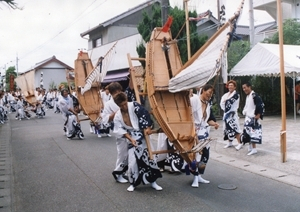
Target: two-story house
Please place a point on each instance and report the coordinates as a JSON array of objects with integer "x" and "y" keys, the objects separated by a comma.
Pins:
[
  {"x": 290, "y": 8},
  {"x": 123, "y": 30},
  {"x": 49, "y": 73}
]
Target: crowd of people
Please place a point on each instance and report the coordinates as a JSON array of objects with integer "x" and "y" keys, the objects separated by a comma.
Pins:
[
  {"x": 15, "y": 102},
  {"x": 131, "y": 123}
]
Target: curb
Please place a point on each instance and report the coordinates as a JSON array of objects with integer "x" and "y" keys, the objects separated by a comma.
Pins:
[
  {"x": 273, "y": 174},
  {"x": 6, "y": 171}
]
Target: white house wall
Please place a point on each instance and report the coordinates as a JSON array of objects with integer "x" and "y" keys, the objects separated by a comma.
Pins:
[
  {"x": 289, "y": 7},
  {"x": 119, "y": 58},
  {"x": 52, "y": 72},
  {"x": 111, "y": 34}
]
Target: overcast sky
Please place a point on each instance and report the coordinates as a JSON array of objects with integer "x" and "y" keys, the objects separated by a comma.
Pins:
[{"x": 52, "y": 27}]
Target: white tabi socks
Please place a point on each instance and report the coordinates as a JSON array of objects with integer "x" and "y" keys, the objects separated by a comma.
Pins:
[{"x": 195, "y": 183}]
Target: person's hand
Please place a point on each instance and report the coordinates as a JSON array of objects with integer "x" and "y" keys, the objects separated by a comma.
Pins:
[
  {"x": 216, "y": 125},
  {"x": 257, "y": 116},
  {"x": 133, "y": 142},
  {"x": 148, "y": 131}
]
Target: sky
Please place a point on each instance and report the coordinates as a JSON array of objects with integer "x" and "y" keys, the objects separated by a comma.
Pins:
[{"x": 42, "y": 29}]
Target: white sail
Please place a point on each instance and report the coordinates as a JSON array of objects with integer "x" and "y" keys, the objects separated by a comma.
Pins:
[
  {"x": 100, "y": 71},
  {"x": 202, "y": 69},
  {"x": 207, "y": 61}
]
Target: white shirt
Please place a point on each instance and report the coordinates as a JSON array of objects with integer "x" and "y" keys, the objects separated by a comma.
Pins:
[
  {"x": 197, "y": 110},
  {"x": 234, "y": 106},
  {"x": 65, "y": 104},
  {"x": 105, "y": 97},
  {"x": 110, "y": 107},
  {"x": 249, "y": 109}
]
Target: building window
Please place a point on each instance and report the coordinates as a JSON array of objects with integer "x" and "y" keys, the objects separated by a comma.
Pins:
[{"x": 97, "y": 42}]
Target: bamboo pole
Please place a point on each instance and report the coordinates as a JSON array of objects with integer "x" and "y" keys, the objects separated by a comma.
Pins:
[
  {"x": 133, "y": 79},
  {"x": 187, "y": 29},
  {"x": 282, "y": 83},
  {"x": 137, "y": 96}
]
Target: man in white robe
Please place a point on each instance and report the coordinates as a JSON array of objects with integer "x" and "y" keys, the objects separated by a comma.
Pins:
[
  {"x": 230, "y": 104},
  {"x": 253, "y": 111},
  {"x": 203, "y": 119},
  {"x": 108, "y": 114},
  {"x": 69, "y": 114},
  {"x": 129, "y": 123}
]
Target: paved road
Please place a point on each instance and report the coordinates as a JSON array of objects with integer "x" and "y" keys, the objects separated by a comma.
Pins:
[{"x": 51, "y": 173}]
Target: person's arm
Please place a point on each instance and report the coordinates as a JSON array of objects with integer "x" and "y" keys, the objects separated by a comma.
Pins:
[
  {"x": 72, "y": 111},
  {"x": 212, "y": 121},
  {"x": 222, "y": 103},
  {"x": 258, "y": 107},
  {"x": 132, "y": 141},
  {"x": 111, "y": 117},
  {"x": 213, "y": 124}
]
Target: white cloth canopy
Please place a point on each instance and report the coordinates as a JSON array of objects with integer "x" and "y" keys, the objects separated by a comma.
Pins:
[{"x": 264, "y": 60}]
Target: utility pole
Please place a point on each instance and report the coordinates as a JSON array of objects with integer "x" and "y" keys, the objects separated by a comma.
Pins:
[
  {"x": 251, "y": 23},
  {"x": 164, "y": 11},
  {"x": 17, "y": 68},
  {"x": 220, "y": 87},
  {"x": 187, "y": 28}
]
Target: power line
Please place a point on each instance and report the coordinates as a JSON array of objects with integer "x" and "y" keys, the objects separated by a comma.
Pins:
[{"x": 71, "y": 24}]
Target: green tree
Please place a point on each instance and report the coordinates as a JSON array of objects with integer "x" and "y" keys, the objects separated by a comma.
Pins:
[
  {"x": 291, "y": 33},
  {"x": 196, "y": 41},
  {"x": 236, "y": 51},
  {"x": 267, "y": 87},
  {"x": 52, "y": 85},
  {"x": 10, "y": 71},
  {"x": 11, "y": 3},
  {"x": 149, "y": 22},
  {"x": 272, "y": 94}
]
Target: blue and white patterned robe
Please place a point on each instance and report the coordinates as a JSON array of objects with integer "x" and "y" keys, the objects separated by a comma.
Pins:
[
  {"x": 230, "y": 104},
  {"x": 140, "y": 167}
]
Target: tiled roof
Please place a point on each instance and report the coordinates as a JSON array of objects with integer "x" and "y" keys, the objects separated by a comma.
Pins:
[
  {"x": 121, "y": 16},
  {"x": 244, "y": 30}
]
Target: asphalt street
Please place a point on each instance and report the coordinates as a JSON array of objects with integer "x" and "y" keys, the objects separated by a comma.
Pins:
[{"x": 43, "y": 171}]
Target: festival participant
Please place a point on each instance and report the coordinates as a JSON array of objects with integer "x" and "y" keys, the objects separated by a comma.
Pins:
[
  {"x": 20, "y": 109},
  {"x": 109, "y": 111},
  {"x": 18, "y": 92},
  {"x": 37, "y": 92},
  {"x": 69, "y": 115},
  {"x": 56, "y": 96},
  {"x": 129, "y": 122},
  {"x": 253, "y": 111},
  {"x": 230, "y": 104},
  {"x": 11, "y": 98},
  {"x": 3, "y": 108},
  {"x": 105, "y": 95},
  {"x": 49, "y": 99},
  {"x": 103, "y": 129},
  {"x": 297, "y": 95},
  {"x": 203, "y": 119},
  {"x": 39, "y": 109}
]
